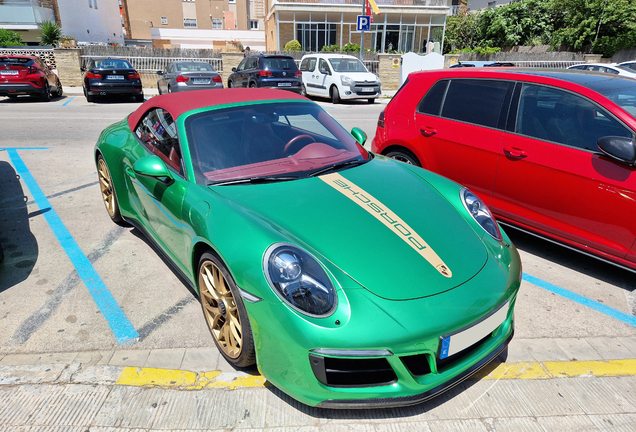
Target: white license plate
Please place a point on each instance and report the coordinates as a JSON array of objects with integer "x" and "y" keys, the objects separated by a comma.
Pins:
[
  {"x": 459, "y": 341},
  {"x": 201, "y": 80},
  {"x": 367, "y": 89},
  {"x": 114, "y": 77},
  {"x": 284, "y": 84},
  {"x": 9, "y": 72}
]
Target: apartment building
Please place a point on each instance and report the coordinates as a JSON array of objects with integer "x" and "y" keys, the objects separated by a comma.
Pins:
[
  {"x": 84, "y": 20},
  {"x": 194, "y": 23}
]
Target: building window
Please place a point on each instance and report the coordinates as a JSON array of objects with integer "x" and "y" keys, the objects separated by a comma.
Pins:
[
  {"x": 253, "y": 24},
  {"x": 313, "y": 37},
  {"x": 231, "y": 1},
  {"x": 164, "y": 20},
  {"x": 217, "y": 23},
  {"x": 190, "y": 22}
]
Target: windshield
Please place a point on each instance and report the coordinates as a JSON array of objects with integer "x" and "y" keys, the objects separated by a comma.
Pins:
[
  {"x": 275, "y": 140},
  {"x": 347, "y": 65},
  {"x": 194, "y": 67},
  {"x": 112, "y": 64}
]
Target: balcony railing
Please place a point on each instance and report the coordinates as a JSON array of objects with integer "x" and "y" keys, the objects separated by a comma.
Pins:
[
  {"x": 25, "y": 12},
  {"x": 380, "y": 3}
]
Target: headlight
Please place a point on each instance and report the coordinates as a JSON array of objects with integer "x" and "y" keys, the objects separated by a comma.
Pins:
[
  {"x": 480, "y": 212},
  {"x": 299, "y": 280},
  {"x": 345, "y": 80}
]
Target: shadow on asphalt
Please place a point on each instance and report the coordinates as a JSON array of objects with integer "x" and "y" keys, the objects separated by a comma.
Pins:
[
  {"x": 18, "y": 242},
  {"x": 573, "y": 260}
]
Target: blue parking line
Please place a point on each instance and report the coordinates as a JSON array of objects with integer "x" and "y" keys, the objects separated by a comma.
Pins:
[
  {"x": 599, "y": 307},
  {"x": 119, "y": 324},
  {"x": 68, "y": 101}
]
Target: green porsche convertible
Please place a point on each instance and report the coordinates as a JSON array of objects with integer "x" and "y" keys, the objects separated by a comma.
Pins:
[{"x": 350, "y": 279}]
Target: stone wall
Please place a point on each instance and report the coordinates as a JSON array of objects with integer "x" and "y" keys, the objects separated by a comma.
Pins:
[
  {"x": 68, "y": 66},
  {"x": 230, "y": 60},
  {"x": 389, "y": 75}
]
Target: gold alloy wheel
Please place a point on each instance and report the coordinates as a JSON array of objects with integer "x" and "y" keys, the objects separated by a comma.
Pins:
[
  {"x": 106, "y": 185},
  {"x": 220, "y": 310}
]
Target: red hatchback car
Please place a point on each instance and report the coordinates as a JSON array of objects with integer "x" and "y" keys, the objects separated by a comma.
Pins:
[
  {"x": 552, "y": 152},
  {"x": 28, "y": 75}
]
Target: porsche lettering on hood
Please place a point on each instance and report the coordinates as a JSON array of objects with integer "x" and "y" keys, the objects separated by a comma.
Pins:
[
  {"x": 388, "y": 218},
  {"x": 376, "y": 253}
]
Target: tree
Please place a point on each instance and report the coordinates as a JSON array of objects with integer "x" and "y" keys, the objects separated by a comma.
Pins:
[
  {"x": 462, "y": 30},
  {"x": 50, "y": 33},
  {"x": 10, "y": 38},
  {"x": 602, "y": 26},
  {"x": 529, "y": 22}
]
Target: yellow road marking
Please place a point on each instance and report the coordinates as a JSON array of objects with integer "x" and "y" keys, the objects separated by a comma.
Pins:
[
  {"x": 150, "y": 377},
  {"x": 392, "y": 221}
]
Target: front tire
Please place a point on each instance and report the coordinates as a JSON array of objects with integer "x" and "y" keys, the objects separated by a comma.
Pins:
[
  {"x": 225, "y": 312},
  {"x": 230, "y": 84},
  {"x": 335, "y": 95},
  {"x": 403, "y": 155},
  {"x": 253, "y": 85},
  {"x": 108, "y": 191},
  {"x": 303, "y": 90}
]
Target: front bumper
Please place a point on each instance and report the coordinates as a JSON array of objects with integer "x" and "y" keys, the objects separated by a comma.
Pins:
[
  {"x": 360, "y": 91},
  {"x": 409, "y": 331}
]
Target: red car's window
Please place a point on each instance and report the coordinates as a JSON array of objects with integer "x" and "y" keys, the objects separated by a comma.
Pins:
[
  {"x": 291, "y": 139},
  {"x": 559, "y": 116},
  {"x": 476, "y": 101}
]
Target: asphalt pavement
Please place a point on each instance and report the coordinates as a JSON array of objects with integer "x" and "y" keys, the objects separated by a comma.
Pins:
[{"x": 570, "y": 367}]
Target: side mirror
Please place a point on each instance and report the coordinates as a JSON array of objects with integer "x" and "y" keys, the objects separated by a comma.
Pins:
[
  {"x": 159, "y": 72},
  {"x": 622, "y": 149},
  {"x": 83, "y": 69},
  {"x": 359, "y": 135},
  {"x": 325, "y": 71},
  {"x": 233, "y": 69},
  {"x": 153, "y": 167}
]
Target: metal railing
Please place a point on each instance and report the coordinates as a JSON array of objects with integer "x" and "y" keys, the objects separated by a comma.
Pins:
[
  {"x": 547, "y": 64},
  {"x": 154, "y": 64},
  {"x": 379, "y": 2}
]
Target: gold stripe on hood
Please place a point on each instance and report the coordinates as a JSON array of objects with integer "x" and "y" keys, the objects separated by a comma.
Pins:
[{"x": 388, "y": 218}]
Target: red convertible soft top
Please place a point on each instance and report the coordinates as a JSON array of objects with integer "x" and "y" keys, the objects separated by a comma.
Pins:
[{"x": 179, "y": 103}]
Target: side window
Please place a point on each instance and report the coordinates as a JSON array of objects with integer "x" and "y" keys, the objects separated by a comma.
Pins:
[
  {"x": 158, "y": 133},
  {"x": 312, "y": 64},
  {"x": 475, "y": 101},
  {"x": 323, "y": 65},
  {"x": 555, "y": 115},
  {"x": 252, "y": 63},
  {"x": 612, "y": 71},
  {"x": 241, "y": 66},
  {"x": 431, "y": 103},
  {"x": 303, "y": 65}
]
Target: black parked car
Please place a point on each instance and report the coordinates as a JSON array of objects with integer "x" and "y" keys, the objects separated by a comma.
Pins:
[
  {"x": 111, "y": 76},
  {"x": 267, "y": 70}
]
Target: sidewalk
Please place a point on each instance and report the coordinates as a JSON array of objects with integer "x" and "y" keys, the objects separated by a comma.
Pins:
[{"x": 544, "y": 385}]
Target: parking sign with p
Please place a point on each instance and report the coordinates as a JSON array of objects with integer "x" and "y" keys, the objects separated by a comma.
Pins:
[{"x": 364, "y": 23}]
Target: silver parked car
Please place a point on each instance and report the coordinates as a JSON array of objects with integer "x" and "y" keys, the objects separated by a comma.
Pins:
[{"x": 188, "y": 75}]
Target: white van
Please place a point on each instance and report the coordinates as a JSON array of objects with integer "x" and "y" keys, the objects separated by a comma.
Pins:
[{"x": 338, "y": 76}]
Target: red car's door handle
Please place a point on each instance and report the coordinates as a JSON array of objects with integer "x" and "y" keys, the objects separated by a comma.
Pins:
[
  {"x": 515, "y": 152},
  {"x": 428, "y": 131}
]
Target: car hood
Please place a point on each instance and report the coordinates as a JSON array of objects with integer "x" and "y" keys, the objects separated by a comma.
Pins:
[
  {"x": 380, "y": 223},
  {"x": 361, "y": 76}
]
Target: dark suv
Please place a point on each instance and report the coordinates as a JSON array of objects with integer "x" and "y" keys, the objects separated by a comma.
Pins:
[{"x": 263, "y": 70}]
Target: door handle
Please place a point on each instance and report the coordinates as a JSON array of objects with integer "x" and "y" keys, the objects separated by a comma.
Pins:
[
  {"x": 428, "y": 131},
  {"x": 130, "y": 172},
  {"x": 515, "y": 152}
]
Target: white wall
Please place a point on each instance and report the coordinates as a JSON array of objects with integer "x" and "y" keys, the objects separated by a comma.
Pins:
[
  {"x": 204, "y": 38},
  {"x": 99, "y": 23},
  {"x": 412, "y": 62}
]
